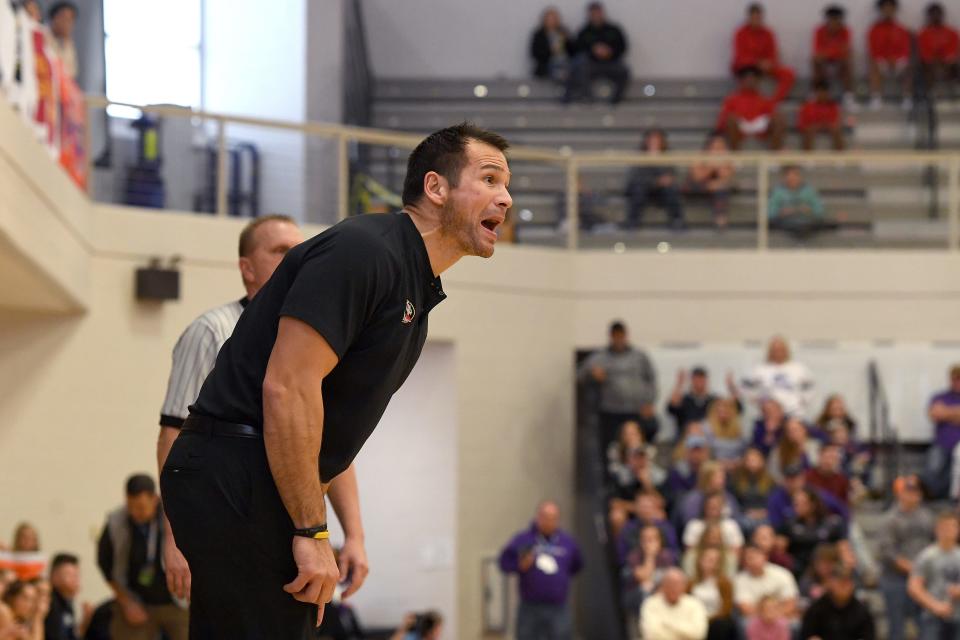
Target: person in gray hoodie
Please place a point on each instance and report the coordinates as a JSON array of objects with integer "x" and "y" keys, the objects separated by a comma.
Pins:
[{"x": 627, "y": 385}]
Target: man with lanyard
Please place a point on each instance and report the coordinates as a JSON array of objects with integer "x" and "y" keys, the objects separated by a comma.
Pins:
[{"x": 305, "y": 378}]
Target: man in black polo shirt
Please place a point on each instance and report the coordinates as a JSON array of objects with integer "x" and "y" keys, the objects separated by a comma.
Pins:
[{"x": 305, "y": 377}]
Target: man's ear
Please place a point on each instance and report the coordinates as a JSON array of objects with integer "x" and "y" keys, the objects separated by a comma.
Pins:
[
  {"x": 435, "y": 188},
  {"x": 246, "y": 270}
]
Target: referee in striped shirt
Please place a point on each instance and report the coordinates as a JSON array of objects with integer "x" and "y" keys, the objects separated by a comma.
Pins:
[{"x": 263, "y": 244}]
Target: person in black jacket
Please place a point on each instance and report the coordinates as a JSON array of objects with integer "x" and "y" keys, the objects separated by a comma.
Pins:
[
  {"x": 838, "y": 614},
  {"x": 552, "y": 47},
  {"x": 600, "y": 46}
]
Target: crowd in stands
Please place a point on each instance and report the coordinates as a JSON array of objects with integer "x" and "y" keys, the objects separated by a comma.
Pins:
[
  {"x": 598, "y": 49},
  {"x": 733, "y": 530},
  {"x": 39, "y": 593}
]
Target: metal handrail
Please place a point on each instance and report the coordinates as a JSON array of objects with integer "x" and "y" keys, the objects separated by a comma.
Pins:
[
  {"x": 574, "y": 161},
  {"x": 882, "y": 431}
]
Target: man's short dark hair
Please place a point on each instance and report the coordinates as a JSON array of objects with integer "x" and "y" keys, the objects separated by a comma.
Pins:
[
  {"x": 754, "y": 7},
  {"x": 820, "y": 84},
  {"x": 934, "y": 8},
  {"x": 246, "y": 236},
  {"x": 594, "y": 5},
  {"x": 882, "y": 3},
  {"x": 699, "y": 371},
  {"x": 834, "y": 11},
  {"x": 140, "y": 483},
  {"x": 749, "y": 70},
  {"x": 444, "y": 152},
  {"x": 57, "y": 7},
  {"x": 62, "y": 559},
  {"x": 617, "y": 326}
]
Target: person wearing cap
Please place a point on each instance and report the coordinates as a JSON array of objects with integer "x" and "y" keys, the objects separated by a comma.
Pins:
[
  {"x": 935, "y": 581},
  {"x": 833, "y": 53},
  {"x": 906, "y": 529},
  {"x": 627, "y": 383},
  {"x": 692, "y": 405},
  {"x": 546, "y": 559},
  {"x": 683, "y": 475},
  {"x": 944, "y": 412},
  {"x": 889, "y": 44},
  {"x": 939, "y": 47},
  {"x": 838, "y": 614},
  {"x": 780, "y": 502}
]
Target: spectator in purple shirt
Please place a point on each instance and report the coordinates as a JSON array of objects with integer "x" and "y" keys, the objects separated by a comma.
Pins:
[
  {"x": 769, "y": 427},
  {"x": 780, "y": 503},
  {"x": 944, "y": 412},
  {"x": 683, "y": 475},
  {"x": 649, "y": 512},
  {"x": 546, "y": 559}
]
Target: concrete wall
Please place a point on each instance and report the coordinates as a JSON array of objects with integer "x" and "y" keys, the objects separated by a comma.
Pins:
[{"x": 668, "y": 38}]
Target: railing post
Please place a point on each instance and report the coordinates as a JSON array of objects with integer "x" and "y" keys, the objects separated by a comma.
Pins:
[
  {"x": 221, "y": 207},
  {"x": 763, "y": 189},
  {"x": 573, "y": 204},
  {"x": 88, "y": 145},
  {"x": 953, "y": 205},
  {"x": 343, "y": 177}
]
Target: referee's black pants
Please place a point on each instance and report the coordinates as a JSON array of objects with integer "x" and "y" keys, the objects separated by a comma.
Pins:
[{"x": 230, "y": 524}]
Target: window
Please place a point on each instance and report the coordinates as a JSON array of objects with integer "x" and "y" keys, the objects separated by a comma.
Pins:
[{"x": 153, "y": 51}]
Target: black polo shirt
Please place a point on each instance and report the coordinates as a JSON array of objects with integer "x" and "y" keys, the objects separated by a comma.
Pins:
[{"x": 366, "y": 285}]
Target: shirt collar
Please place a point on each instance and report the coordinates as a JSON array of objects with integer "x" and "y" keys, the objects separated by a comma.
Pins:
[{"x": 432, "y": 285}]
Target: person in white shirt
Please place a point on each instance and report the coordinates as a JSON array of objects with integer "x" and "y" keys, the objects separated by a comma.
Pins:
[
  {"x": 713, "y": 508},
  {"x": 761, "y": 578},
  {"x": 788, "y": 382},
  {"x": 671, "y": 613}
]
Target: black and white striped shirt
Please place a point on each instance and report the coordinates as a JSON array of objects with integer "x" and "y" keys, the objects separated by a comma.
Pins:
[{"x": 194, "y": 356}]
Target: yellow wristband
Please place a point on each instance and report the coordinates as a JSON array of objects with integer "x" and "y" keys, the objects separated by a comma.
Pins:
[{"x": 321, "y": 535}]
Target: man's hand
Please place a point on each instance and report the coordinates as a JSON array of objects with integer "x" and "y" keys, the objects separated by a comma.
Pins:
[
  {"x": 953, "y": 590},
  {"x": 903, "y": 564},
  {"x": 602, "y": 51},
  {"x": 133, "y": 612},
  {"x": 647, "y": 410},
  {"x": 176, "y": 568},
  {"x": 317, "y": 572},
  {"x": 526, "y": 561},
  {"x": 353, "y": 564},
  {"x": 599, "y": 374},
  {"x": 941, "y": 609},
  {"x": 938, "y": 412}
]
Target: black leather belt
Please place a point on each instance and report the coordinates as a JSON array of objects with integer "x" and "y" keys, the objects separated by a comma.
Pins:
[{"x": 214, "y": 427}]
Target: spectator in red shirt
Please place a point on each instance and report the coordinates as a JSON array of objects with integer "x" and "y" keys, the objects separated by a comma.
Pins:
[
  {"x": 939, "y": 46},
  {"x": 889, "y": 44},
  {"x": 832, "y": 53},
  {"x": 828, "y": 474},
  {"x": 820, "y": 114},
  {"x": 748, "y": 113}
]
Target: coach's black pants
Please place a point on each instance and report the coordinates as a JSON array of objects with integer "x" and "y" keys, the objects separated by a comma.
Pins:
[{"x": 234, "y": 531}]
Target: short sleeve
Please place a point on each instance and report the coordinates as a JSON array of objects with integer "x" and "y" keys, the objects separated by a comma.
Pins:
[
  {"x": 193, "y": 357},
  {"x": 921, "y": 566},
  {"x": 788, "y": 588},
  {"x": 339, "y": 285}
]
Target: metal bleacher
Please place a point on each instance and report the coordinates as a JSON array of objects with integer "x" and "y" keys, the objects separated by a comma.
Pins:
[{"x": 883, "y": 205}]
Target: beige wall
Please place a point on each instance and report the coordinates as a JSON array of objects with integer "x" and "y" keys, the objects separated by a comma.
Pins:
[{"x": 79, "y": 394}]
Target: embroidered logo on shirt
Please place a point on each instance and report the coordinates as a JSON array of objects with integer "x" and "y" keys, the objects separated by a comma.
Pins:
[{"x": 408, "y": 313}]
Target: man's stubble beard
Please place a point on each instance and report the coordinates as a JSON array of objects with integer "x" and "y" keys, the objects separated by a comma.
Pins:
[{"x": 455, "y": 227}]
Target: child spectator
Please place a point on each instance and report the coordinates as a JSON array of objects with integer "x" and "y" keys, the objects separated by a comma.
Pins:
[
  {"x": 552, "y": 47},
  {"x": 795, "y": 206},
  {"x": 751, "y": 485},
  {"x": 768, "y": 624},
  {"x": 820, "y": 114},
  {"x": 768, "y": 429},
  {"x": 655, "y": 184},
  {"x": 939, "y": 46},
  {"x": 712, "y": 587},
  {"x": 832, "y": 53},
  {"x": 889, "y": 45},
  {"x": 828, "y": 474},
  {"x": 748, "y": 113},
  {"x": 713, "y": 179}
]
